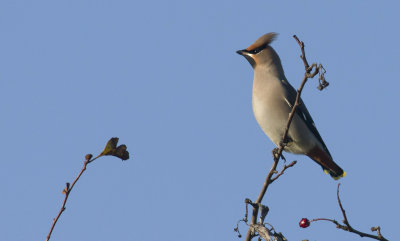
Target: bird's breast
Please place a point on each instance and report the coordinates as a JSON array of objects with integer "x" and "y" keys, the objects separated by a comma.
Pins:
[{"x": 270, "y": 108}]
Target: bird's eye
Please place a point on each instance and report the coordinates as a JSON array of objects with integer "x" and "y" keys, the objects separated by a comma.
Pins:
[
  {"x": 255, "y": 51},
  {"x": 258, "y": 50}
]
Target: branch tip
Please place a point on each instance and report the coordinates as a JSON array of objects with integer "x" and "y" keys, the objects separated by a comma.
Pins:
[{"x": 111, "y": 149}]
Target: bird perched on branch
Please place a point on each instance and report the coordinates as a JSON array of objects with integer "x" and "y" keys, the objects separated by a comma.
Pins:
[{"x": 273, "y": 99}]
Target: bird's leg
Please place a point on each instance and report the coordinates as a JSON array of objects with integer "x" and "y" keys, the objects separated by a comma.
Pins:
[
  {"x": 283, "y": 158},
  {"x": 285, "y": 142},
  {"x": 275, "y": 153}
]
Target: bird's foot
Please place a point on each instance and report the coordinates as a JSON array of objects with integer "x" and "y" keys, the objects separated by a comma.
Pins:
[
  {"x": 275, "y": 153},
  {"x": 283, "y": 158},
  {"x": 285, "y": 142}
]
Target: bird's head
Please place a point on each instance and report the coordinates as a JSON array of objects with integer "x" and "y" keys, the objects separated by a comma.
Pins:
[{"x": 260, "y": 52}]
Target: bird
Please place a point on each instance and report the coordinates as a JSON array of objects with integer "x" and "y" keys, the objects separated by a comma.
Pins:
[{"x": 273, "y": 98}]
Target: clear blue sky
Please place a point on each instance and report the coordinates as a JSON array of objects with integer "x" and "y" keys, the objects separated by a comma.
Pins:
[{"x": 163, "y": 76}]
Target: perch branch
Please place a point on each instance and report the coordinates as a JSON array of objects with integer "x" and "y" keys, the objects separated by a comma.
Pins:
[{"x": 277, "y": 152}]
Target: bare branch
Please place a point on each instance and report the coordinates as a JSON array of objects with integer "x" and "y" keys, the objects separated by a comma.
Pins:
[
  {"x": 345, "y": 221},
  {"x": 346, "y": 224},
  {"x": 67, "y": 190},
  {"x": 266, "y": 234},
  {"x": 283, "y": 171},
  {"x": 303, "y": 54},
  {"x": 110, "y": 149}
]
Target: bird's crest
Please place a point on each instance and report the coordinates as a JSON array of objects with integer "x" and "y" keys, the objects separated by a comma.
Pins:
[{"x": 263, "y": 40}]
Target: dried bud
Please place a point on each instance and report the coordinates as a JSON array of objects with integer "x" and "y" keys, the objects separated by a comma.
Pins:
[
  {"x": 88, "y": 157},
  {"x": 66, "y": 189},
  {"x": 304, "y": 223}
]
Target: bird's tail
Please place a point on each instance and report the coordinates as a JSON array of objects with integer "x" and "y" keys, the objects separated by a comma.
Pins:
[{"x": 325, "y": 160}]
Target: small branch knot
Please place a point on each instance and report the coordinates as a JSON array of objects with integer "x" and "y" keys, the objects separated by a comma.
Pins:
[{"x": 88, "y": 157}]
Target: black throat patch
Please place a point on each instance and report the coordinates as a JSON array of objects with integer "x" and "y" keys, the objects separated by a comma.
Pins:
[{"x": 251, "y": 61}]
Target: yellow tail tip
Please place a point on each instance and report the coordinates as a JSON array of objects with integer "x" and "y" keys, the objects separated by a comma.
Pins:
[{"x": 338, "y": 177}]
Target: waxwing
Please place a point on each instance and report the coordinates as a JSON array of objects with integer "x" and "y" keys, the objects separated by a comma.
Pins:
[{"x": 273, "y": 99}]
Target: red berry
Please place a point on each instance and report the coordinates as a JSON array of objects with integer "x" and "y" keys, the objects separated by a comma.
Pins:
[{"x": 304, "y": 223}]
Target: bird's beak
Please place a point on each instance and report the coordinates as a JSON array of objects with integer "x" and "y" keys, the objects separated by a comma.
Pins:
[
  {"x": 248, "y": 56},
  {"x": 241, "y": 52}
]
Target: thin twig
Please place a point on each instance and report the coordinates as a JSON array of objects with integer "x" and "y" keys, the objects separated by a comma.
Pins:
[
  {"x": 345, "y": 221},
  {"x": 283, "y": 171},
  {"x": 68, "y": 190},
  {"x": 346, "y": 225},
  {"x": 303, "y": 54},
  {"x": 349, "y": 228},
  {"x": 278, "y": 152}
]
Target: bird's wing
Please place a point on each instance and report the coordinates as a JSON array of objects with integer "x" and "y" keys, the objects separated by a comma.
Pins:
[{"x": 302, "y": 112}]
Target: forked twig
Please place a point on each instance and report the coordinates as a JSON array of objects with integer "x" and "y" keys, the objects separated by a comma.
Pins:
[
  {"x": 346, "y": 224},
  {"x": 283, "y": 171}
]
